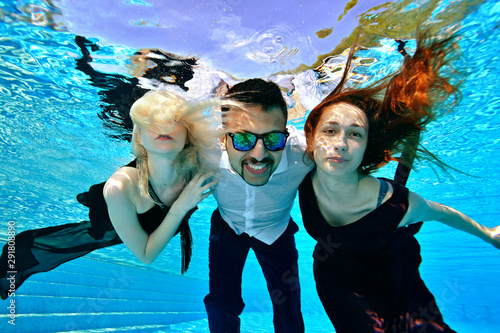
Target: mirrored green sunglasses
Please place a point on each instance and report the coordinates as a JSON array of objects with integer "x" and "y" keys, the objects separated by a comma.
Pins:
[{"x": 273, "y": 141}]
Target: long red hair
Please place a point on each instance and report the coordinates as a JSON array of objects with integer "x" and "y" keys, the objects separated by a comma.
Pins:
[{"x": 398, "y": 106}]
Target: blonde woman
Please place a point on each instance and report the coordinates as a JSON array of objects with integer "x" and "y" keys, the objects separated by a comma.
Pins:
[{"x": 143, "y": 204}]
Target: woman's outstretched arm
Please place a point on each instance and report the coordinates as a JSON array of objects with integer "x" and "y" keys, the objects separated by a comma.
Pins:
[{"x": 421, "y": 209}]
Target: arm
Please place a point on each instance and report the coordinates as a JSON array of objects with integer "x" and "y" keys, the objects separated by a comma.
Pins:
[
  {"x": 421, "y": 209},
  {"x": 121, "y": 195}
]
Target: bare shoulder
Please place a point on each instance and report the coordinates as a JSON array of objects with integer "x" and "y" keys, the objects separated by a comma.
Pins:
[
  {"x": 371, "y": 186},
  {"x": 123, "y": 183}
]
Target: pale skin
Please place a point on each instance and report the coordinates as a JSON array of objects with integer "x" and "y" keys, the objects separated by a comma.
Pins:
[
  {"x": 344, "y": 195},
  {"x": 125, "y": 201}
]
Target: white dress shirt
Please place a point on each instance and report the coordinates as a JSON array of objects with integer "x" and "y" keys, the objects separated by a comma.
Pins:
[{"x": 263, "y": 212}]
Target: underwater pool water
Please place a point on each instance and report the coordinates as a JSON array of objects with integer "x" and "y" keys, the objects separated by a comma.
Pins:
[{"x": 54, "y": 145}]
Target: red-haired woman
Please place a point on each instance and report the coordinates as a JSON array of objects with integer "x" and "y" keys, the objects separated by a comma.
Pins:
[{"x": 366, "y": 261}]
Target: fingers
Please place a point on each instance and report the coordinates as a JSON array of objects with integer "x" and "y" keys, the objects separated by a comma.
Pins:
[
  {"x": 209, "y": 186},
  {"x": 202, "y": 185},
  {"x": 206, "y": 194},
  {"x": 205, "y": 182}
]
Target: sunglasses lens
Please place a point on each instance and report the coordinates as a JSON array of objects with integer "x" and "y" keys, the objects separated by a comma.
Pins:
[
  {"x": 275, "y": 141},
  {"x": 244, "y": 141}
]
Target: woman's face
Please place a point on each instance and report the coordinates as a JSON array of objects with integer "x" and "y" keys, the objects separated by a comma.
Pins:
[
  {"x": 340, "y": 139},
  {"x": 164, "y": 143}
]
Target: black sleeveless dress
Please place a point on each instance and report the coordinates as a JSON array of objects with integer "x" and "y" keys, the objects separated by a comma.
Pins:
[
  {"x": 41, "y": 250},
  {"x": 367, "y": 272}
]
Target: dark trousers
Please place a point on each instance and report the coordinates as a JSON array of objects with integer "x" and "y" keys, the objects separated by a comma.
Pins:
[{"x": 227, "y": 255}]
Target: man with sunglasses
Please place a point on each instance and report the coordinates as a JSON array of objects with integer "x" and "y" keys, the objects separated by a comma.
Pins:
[{"x": 261, "y": 169}]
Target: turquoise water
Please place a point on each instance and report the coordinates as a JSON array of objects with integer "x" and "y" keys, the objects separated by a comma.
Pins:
[{"x": 53, "y": 146}]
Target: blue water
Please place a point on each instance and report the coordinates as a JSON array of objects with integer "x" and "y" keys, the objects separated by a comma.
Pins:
[{"x": 53, "y": 146}]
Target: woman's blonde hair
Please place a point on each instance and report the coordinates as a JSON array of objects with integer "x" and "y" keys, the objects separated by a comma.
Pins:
[{"x": 160, "y": 112}]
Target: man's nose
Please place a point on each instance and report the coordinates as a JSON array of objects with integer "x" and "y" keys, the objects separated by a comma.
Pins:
[{"x": 259, "y": 152}]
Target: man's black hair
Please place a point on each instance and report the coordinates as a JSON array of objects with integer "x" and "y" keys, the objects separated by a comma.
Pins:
[{"x": 257, "y": 92}]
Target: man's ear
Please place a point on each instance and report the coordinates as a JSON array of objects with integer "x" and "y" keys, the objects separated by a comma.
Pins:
[{"x": 223, "y": 143}]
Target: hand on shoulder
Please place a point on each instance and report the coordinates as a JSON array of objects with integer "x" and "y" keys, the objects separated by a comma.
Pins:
[{"x": 200, "y": 187}]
